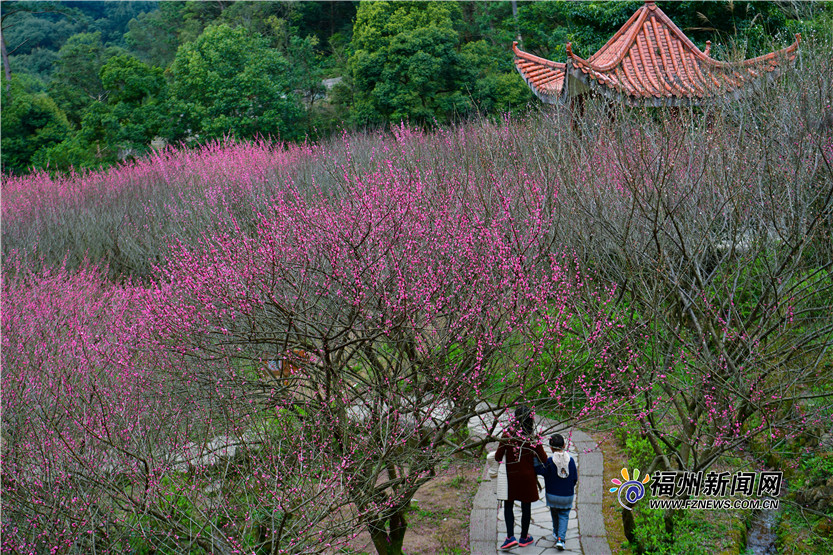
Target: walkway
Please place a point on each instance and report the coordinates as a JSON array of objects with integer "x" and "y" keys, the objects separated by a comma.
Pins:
[{"x": 586, "y": 531}]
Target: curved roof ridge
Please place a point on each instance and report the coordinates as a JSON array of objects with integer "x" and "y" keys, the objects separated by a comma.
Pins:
[
  {"x": 756, "y": 60},
  {"x": 533, "y": 58},
  {"x": 649, "y": 60},
  {"x": 630, "y": 38},
  {"x": 616, "y": 36},
  {"x": 576, "y": 58},
  {"x": 705, "y": 57},
  {"x": 544, "y": 77},
  {"x": 663, "y": 17}
]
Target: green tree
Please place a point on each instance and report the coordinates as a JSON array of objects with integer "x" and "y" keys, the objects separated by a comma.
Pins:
[
  {"x": 258, "y": 18},
  {"x": 306, "y": 70},
  {"x": 76, "y": 83},
  {"x": 323, "y": 19},
  {"x": 72, "y": 153},
  {"x": 120, "y": 125},
  {"x": 32, "y": 28},
  {"x": 229, "y": 82},
  {"x": 135, "y": 110},
  {"x": 749, "y": 27},
  {"x": 547, "y": 26},
  {"x": 31, "y": 122},
  {"x": 131, "y": 81},
  {"x": 112, "y": 18},
  {"x": 495, "y": 86},
  {"x": 154, "y": 36},
  {"x": 39, "y": 63},
  {"x": 406, "y": 63}
]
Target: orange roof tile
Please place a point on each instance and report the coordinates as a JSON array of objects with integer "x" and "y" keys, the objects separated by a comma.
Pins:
[
  {"x": 648, "y": 61},
  {"x": 545, "y": 78}
]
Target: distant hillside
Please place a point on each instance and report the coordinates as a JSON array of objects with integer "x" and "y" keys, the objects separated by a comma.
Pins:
[{"x": 89, "y": 84}]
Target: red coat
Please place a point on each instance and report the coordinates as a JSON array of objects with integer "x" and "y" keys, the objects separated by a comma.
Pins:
[{"x": 520, "y": 470}]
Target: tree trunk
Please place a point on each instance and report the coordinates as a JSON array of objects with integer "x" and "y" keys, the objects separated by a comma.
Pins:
[
  {"x": 7, "y": 69},
  {"x": 668, "y": 517},
  {"x": 517, "y": 28},
  {"x": 629, "y": 525},
  {"x": 389, "y": 542}
]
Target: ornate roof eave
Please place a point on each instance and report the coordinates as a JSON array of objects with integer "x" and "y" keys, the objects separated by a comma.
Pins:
[
  {"x": 597, "y": 84},
  {"x": 544, "y": 77},
  {"x": 708, "y": 60},
  {"x": 615, "y": 94},
  {"x": 631, "y": 30},
  {"x": 650, "y": 61}
]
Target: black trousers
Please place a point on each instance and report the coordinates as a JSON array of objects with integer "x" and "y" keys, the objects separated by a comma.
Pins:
[{"x": 509, "y": 517}]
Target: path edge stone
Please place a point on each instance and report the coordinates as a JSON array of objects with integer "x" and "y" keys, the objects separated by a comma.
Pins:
[
  {"x": 591, "y": 525},
  {"x": 592, "y": 533}
]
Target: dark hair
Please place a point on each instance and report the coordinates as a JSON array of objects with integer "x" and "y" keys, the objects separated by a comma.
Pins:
[
  {"x": 524, "y": 418},
  {"x": 557, "y": 442}
]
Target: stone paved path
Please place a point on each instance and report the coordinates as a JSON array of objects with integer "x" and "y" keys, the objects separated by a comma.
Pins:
[{"x": 585, "y": 533}]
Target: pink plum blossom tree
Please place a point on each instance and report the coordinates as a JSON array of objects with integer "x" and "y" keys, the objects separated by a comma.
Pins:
[{"x": 414, "y": 304}]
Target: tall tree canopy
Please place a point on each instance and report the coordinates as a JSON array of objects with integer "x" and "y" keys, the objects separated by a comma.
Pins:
[
  {"x": 410, "y": 62},
  {"x": 76, "y": 83},
  {"x": 229, "y": 82},
  {"x": 31, "y": 121},
  {"x": 406, "y": 62}
]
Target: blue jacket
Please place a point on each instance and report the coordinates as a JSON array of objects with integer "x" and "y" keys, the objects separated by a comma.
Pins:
[{"x": 556, "y": 485}]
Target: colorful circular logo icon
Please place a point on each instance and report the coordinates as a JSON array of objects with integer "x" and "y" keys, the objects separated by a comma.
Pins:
[{"x": 631, "y": 489}]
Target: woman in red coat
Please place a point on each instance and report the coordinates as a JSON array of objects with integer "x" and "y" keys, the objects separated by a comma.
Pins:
[{"x": 520, "y": 447}]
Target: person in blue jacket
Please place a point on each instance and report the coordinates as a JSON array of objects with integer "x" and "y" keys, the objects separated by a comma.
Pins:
[{"x": 560, "y": 476}]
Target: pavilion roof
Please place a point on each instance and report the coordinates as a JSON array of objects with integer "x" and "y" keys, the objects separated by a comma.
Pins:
[
  {"x": 648, "y": 61},
  {"x": 545, "y": 78}
]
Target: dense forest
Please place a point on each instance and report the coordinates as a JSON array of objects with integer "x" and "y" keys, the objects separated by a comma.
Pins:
[{"x": 88, "y": 84}]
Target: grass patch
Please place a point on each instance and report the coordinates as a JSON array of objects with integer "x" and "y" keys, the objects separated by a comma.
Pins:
[
  {"x": 806, "y": 524},
  {"x": 614, "y": 461}
]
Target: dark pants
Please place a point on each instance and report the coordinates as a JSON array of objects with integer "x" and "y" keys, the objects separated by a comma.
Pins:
[{"x": 509, "y": 517}]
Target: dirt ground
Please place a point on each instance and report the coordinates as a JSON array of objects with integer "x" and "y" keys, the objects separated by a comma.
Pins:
[{"x": 439, "y": 518}]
